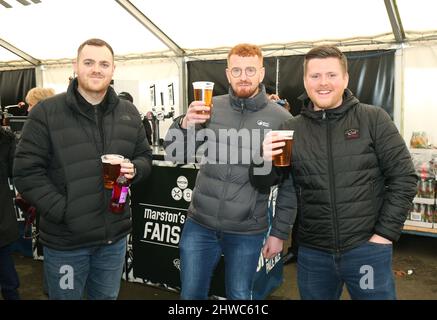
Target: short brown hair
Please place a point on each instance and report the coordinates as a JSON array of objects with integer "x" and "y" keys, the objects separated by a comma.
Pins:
[
  {"x": 35, "y": 95},
  {"x": 323, "y": 52},
  {"x": 245, "y": 50},
  {"x": 97, "y": 43}
]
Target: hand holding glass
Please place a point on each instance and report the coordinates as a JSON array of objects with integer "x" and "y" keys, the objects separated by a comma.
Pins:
[{"x": 284, "y": 158}]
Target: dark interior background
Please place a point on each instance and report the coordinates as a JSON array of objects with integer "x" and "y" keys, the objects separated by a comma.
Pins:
[
  {"x": 371, "y": 77},
  {"x": 15, "y": 84}
]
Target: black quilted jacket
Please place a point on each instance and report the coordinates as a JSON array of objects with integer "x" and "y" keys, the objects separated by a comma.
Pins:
[
  {"x": 353, "y": 174},
  {"x": 58, "y": 167}
]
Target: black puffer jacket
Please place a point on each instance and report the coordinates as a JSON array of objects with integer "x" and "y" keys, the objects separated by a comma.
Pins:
[
  {"x": 353, "y": 173},
  {"x": 8, "y": 219},
  {"x": 58, "y": 166}
]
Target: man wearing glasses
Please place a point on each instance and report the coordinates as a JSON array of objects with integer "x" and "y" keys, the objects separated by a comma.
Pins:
[{"x": 227, "y": 215}]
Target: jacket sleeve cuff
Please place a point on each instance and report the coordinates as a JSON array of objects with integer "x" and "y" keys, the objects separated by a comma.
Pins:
[
  {"x": 278, "y": 234},
  {"x": 388, "y": 234}
]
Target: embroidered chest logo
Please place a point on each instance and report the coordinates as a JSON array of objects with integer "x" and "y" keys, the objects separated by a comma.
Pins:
[
  {"x": 350, "y": 134},
  {"x": 263, "y": 124}
]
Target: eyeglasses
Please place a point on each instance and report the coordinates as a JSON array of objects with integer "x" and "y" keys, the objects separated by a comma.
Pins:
[{"x": 236, "y": 71}]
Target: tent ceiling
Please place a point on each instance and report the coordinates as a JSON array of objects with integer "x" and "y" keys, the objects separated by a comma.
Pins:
[
  {"x": 53, "y": 29},
  {"x": 419, "y": 16},
  {"x": 263, "y": 22}
]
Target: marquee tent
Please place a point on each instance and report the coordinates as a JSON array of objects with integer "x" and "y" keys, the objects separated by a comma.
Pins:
[{"x": 154, "y": 40}]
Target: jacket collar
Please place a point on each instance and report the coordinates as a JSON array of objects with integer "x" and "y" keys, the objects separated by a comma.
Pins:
[
  {"x": 78, "y": 104},
  {"x": 349, "y": 101},
  {"x": 253, "y": 104}
]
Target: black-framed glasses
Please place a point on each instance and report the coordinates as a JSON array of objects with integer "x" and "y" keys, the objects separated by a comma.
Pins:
[{"x": 249, "y": 71}]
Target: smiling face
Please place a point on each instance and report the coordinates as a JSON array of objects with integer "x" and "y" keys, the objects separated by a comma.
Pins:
[
  {"x": 94, "y": 68},
  {"x": 325, "y": 81}
]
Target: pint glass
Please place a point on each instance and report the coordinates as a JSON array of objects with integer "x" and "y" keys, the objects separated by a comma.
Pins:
[
  {"x": 284, "y": 159},
  {"x": 203, "y": 92},
  {"x": 111, "y": 168}
]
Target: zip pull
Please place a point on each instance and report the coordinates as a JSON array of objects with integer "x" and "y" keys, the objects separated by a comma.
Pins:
[
  {"x": 242, "y": 107},
  {"x": 324, "y": 115}
]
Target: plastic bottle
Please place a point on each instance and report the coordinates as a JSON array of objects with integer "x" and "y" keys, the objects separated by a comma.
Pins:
[{"x": 120, "y": 191}]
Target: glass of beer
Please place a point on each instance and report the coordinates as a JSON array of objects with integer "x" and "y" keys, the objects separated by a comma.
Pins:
[
  {"x": 284, "y": 159},
  {"x": 203, "y": 92},
  {"x": 111, "y": 168}
]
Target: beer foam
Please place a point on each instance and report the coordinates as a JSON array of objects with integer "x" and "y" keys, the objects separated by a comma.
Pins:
[
  {"x": 285, "y": 134},
  {"x": 203, "y": 85},
  {"x": 112, "y": 159}
]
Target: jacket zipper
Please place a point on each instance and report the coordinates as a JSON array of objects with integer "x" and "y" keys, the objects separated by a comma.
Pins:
[
  {"x": 96, "y": 118},
  {"x": 228, "y": 174},
  {"x": 332, "y": 182}
]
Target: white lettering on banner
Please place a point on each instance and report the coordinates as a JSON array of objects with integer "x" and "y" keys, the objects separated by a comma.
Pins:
[
  {"x": 164, "y": 216},
  {"x": 366, "y": 281},
  {"x": 162, "y": 232},
  {"x": 163, "y": 225},
  {"x": 67, "y": 280}
]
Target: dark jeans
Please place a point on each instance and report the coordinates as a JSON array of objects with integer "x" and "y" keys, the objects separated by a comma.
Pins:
[
  {"x": 200, "y": 250},
  {"x": 9, "y": 281},
  {"x": 96, "y": 270},
  {"x": 366, "y": 270}
]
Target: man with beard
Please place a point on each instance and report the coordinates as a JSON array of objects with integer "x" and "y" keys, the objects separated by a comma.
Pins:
[
  {"x": 227, "y": 215},
  {"x": 58, "y": 169}
]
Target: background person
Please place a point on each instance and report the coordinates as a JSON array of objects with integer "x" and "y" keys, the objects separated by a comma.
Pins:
[
  {"x": 227, "y": 215},
  {"x": 37, "y": 94},
  {"x": 9, "y": 233},
  {"x": 58, "y": 168},
  {"x": 355, "y": 181}
]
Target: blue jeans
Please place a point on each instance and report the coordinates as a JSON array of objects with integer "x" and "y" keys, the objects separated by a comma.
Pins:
[
  {"x": 9, "y": 282},
  {"x": 96, "y": 269},
  {"x": 366, "y": 270},
  {"x": 200, "y": 250}
]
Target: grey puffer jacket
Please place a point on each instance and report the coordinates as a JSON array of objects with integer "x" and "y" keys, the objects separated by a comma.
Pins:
[
  {"x": 223, "y": 198},
  {"x": 353, "y": 173},
  {"x": 58, "y": 167}
]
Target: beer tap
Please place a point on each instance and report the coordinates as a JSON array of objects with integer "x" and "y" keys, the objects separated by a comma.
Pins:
[{"x": 158, "y": 113}]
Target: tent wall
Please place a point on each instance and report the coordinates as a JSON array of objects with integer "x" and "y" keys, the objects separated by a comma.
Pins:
[
  {"x": 419, "y": 91},
  {"x": 135, "y": 77}
]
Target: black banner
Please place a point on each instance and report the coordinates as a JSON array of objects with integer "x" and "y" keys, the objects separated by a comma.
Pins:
[{"x": 159, "y": 211}]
